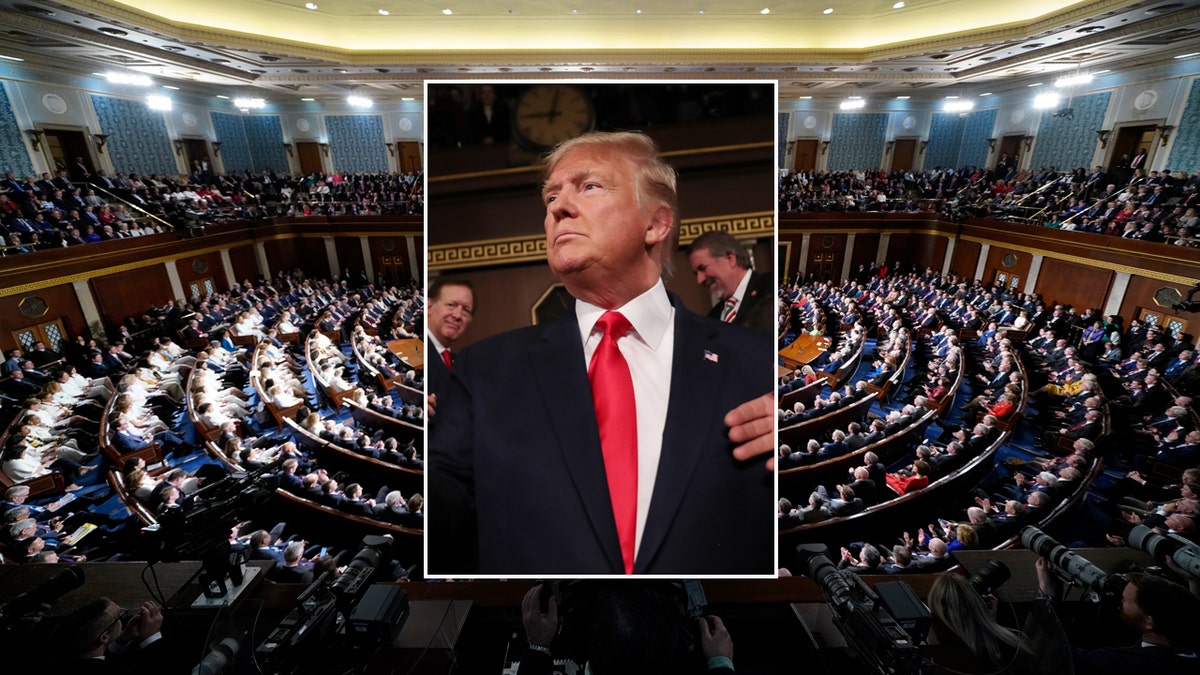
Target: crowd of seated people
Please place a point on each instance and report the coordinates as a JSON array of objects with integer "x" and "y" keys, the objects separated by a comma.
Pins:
[
  {"x": 1161, "y": 206},
  {"x": 1102, "y": 400},
  {"x": 88, "y": 207},
  {"x": 144, "y": 397}
]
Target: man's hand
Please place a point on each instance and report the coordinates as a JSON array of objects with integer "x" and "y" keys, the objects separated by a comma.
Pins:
[
  {"x": 540, "y": 628},
  {"x": 714, "y": 638},
  {"x": 144, "y": 624},
  {"x": 430, "y": 405},
  {"x": 752, "y": 427}
]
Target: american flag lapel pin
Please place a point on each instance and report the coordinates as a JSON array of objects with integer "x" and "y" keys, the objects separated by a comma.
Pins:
[{"x": 711, "y": 356}]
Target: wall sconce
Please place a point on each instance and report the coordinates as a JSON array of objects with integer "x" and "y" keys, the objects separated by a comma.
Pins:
[
  {"x": 288, "y": 148},
  {"x": 216, "y": 147},
  {"x": 178, "y": 147},
  {"x": 391, "y": 149},
  {"x": 1164, "y": 135},
  {"x": 888, "y": 146},
  {"x": 325, "y": 149},
  {"x": 924, "y": 144},
  {"x": 101, "y": 141},
  {"x": 1027, "y": 141},
  {"x": 992, "y": 144},
  {"x": 1102, "y": 135},
  {"x": 824, "y": 147},
  {"x": 35, "y": 138}
]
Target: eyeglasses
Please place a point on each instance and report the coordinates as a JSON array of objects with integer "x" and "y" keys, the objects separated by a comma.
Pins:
[{"x": 123, "y": 617}]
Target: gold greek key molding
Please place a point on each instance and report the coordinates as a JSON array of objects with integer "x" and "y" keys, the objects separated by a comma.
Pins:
[{"x": 532, "y": 248}]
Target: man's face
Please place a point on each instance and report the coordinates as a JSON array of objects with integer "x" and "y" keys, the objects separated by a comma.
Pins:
[
  {"x": 594, "y": 226},
  {"x": 450, "y": 313},
  {"x": 720, "y": 276}
]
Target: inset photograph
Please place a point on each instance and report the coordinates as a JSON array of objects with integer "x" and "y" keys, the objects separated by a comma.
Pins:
[{"x": 601, "y": 315}]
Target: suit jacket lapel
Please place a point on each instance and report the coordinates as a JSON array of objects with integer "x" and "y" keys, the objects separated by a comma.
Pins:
[
  {"x": 694, "y": 378},
  {"x": 557, "y": 358}
]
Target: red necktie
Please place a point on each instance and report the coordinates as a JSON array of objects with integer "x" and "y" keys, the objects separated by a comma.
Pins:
[
  {"x": 446, "y": 358},
  {"x": 616, "y": 415}
]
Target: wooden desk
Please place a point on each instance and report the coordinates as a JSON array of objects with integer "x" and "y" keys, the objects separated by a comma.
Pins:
[
  {"x": 409, "y": 350},
  {"x": 804, "y": 350}
]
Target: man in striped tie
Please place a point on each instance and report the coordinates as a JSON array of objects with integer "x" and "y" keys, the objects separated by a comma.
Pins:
[{"x": 742, "y": 296}]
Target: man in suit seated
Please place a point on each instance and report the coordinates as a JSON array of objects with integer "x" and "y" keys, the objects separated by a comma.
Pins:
[
  {"x": 610, "y": 415},
  {"x": 392, "y": 508},
  {"x": 292, "y": 569},
  {"x": 353, "y": 503}
]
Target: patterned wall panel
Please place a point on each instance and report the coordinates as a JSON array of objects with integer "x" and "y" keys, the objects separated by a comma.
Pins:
[
  {"x": 1069, "y": 143},
  {"x": 235, "y": 150},
  {"x": 857, "y": 141},
  {"x": 265, "y": 138},
  {"x": 781, "y": 149},
  {"x": 979, "y": 127},
  {"x": 137, "y": 136},
  {"x": 945, "y": 141},
  {"x": 13, "y": 155},
  {"x": 1185, "y": 149},
  {"x": 357, "y": 143}
]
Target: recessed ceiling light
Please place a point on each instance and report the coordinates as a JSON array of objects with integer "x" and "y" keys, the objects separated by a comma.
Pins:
[
  {"x": 1073, "y": 80},
  {"x": 1035, "y": 84},
  {"x": 447, "y": 11},
  {"x": 223, "y": 96},
  {"x": 1101, "y": 72},
  {"x": 986, "y": 93},
  {"x": 248, "y": 103},
  {"x": 310, "y": 5},
  {"x": 167, "y": 86},
  {"x": 1188, "y": 56},
  {"x": 308, "y": 99},
  {"x": 407, "y": 98},
  {"x": 903, "y": 98},
  {"x": 765, "y": 10},
  {"x": 701, "y": 11},
  {"x": 384, "y": 12},
  {"x": 574, "y": 11},
  {"x": 898, "y": 5},
  {"x": 951, "y": 97},
  {"x": 10, "y": 58},
  {"x": 135, "y": 79},
  {"x": 805, "y": 98},
  {"x": 958, "y": 106},
  {"x": 158, "y": 102},
  {"x": 828, "y": 10},
  {"x": 639, "y": 11},
  {"x": 1043, "y": 101},
  {"x": 855, "y": 103},
  {"x": 359, "y": 102}
]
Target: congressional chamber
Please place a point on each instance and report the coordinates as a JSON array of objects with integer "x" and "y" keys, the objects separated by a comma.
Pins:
[{"x": 905, "y": 229}]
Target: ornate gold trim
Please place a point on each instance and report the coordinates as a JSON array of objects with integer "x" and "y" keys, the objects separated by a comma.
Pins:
[{"x": 532, "y": 248}]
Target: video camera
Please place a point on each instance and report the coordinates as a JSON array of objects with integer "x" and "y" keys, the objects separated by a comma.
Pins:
[
  {"x": 367, "y": 615},
  {"x": 864, "y": 619}
]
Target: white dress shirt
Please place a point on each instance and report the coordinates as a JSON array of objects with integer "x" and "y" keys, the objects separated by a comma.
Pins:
[{"x": 648, "y": 349}]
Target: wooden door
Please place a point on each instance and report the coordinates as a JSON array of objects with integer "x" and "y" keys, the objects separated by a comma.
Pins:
[
  {"x": 410, "y": 156},
  {"x": 62, "y": 146},
  {"x": 903, "y": 153},
  {"x": 1127, "y": 144},
  {"x": 309, "y": 154},
  {"x": 50, "y": 333},
  {"x": 1010, "y": 146},
  {"x": 196, "y": 150},
  {"x": 806, "y": 155}
]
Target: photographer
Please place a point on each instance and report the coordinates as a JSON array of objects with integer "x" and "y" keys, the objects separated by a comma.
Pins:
[
  {"x": 624, "y": 627},
  {"x": 965, "y": 621},
  {"x": 1162, "y": 613}
]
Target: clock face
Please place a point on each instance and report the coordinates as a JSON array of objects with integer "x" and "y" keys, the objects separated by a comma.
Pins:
[
  {"x": 549, "y": 114},
  {"x": 1167, "y": 297}
]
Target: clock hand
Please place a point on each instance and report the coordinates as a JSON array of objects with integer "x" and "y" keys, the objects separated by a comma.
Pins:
[{"x": 554, "y": 106}]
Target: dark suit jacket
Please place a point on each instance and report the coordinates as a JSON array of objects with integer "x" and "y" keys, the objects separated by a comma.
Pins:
[
  {"x": 757, "y": 310},
  {"x": 517, "y": 435}
]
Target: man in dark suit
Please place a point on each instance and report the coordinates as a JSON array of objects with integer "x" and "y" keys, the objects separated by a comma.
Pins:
[
  {"x": 574, "y": 484},
  {"x": 722, "y": 265},
  {"x": 451, "y": 306}
]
